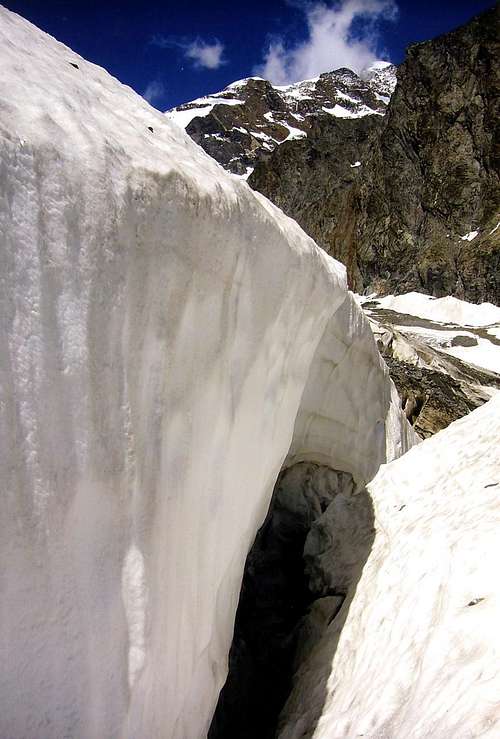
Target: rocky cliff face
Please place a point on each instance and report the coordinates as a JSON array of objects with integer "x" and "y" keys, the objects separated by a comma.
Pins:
[
  {"x": 410, "y": 201},
  {"x": 246, "y": 122},
  {"x": 317, "y": 181}
]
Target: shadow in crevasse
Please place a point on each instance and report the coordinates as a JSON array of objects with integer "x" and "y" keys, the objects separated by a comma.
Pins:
[{"x": 300, "y": 577}]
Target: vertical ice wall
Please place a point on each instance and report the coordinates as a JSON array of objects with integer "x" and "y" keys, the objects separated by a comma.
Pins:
[
  {"x": 158, "y": 321},
  {"x": 349, "y": 416}
]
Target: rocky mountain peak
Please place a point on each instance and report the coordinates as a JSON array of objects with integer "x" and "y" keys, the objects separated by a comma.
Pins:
[{"x": 245, "y": 122}]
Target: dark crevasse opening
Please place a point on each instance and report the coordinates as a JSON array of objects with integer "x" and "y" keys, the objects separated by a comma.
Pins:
[{"x": 286, "y": 601}]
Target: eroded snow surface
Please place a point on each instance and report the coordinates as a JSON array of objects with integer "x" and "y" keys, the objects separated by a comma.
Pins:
[
  {"x": 167, "y": 337},
  {"x": 419, "y": 653}
]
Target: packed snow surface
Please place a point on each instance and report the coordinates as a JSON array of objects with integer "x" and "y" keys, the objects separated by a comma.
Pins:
[
  {"x": 484, "y": 355},
  {"x": 168, "y": 337},
  {"x": 444, "y": 310},
  {"x": 419, "y": 654}
]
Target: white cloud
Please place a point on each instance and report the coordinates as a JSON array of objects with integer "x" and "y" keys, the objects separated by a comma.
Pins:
[
  {"x": 204, "y": 54},
  {"x": 339, "y": 35},
  {"x": 153, "y": 91}
]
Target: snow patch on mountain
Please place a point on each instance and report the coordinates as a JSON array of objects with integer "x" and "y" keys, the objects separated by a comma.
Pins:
[
  {"x": 198, "y": 109},
  {"x": 382, "y": 75},
  {"x": 302, "y": 90},
  {"x": 340, "y": 112},
  {"x": 470, "y": 236}
]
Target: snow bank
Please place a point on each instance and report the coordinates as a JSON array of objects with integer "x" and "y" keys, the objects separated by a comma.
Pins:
[
  {"x": 159, "y": 323},
  {"x": 349, "y": 383},
  {"x": 419, "y": 654},
  {"x": 445, "y": 310}
]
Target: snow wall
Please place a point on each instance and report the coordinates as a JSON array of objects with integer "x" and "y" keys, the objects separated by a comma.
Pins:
[
  {"x": 418, "y": 655},
  {"x": 159, "y": 323}
]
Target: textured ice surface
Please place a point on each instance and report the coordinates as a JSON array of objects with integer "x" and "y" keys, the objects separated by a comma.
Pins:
[
  {"x": 419, "y": 654},
  {"x": 349, "y": 416},
  {"x": 159, "y": 322}
]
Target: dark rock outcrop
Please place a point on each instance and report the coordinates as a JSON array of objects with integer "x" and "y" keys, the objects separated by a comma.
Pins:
[
  {"x": 428, "y": 177},
  {"x": 431, "y": 399}
]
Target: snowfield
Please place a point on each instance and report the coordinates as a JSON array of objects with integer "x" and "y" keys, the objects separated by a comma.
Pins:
[
  {"x": 445, "y": 310},
  {"x": 419, "y": 654},
  {"x": 445, "y": 323},
  {"x": 167, "y": 338}
]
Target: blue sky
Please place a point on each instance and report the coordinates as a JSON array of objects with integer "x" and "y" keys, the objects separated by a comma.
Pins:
[{"x": 172, "y": 52}]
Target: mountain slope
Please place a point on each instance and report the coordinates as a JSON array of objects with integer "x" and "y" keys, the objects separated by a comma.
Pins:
[{"x": 421, "y": 212}]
